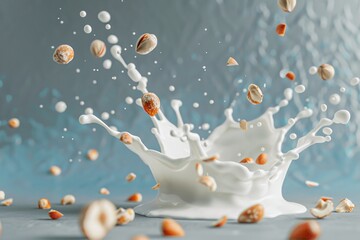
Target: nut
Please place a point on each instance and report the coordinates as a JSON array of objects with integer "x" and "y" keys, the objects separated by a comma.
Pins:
[
  {"x": 326, "y": 71},
  {"x": 243, "y": 124},
  {"x": 130, "y": 177},
  {"x": 146, "y": 43},
  {"x": 199, "y": 169},
  {"x": 254, "y": 94},
  {"x": 231, "y": 62},
  {"x": 247, "y": 160},
  {"x": 44, "y": 203},
  {"x": 97, "y": 219},
  {"x": 322, "y": 208},
  {"x": 345, "y": 206},
  {"x": 140, "y": 237},
  {"x": 287, "y": 5},
  {"x": 125, "y": 216},
  {"x": 54, "y": 214},
  {"x": 311, "y": 183},
  {"x": 262, "y": 159},
  {"x": 156, "y": 186},
  {"x": 209, "y": 182},
  {"x": 220, "y": 222},
  {"x": 281, "y": 29},
  {"x": 14, "y": 123},
  {"x": 171, "y": 228},
  {"x": 68, "y": 200},
  {"x": 151, "y": 103},
  {"x": 252, "y": 214},
  {"x": 212, "y": 158},
  {"x": 2, "y": 195},
  {"x": 7, "y": 202},
  {"x": 308, "y": 230},
  {"x": 55, "y": 170},
  {"x": 63, "y": 54},
  {"x": 104, "y": 191},
  {"x": 136, "y": 197},
  {"x": 326, "y": 198},
  {"x": 92, "y": 154},
  {"x": 126, "y": 138},
  {"x": 290, "y": 75},
  {"x": 98, "y": 48}
]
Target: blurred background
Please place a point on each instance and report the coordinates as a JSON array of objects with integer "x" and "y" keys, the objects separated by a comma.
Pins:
[{"x": 195, "y": 39}]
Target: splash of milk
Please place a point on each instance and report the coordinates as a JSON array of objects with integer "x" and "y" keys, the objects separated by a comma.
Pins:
[{"x": 238, "y": 185}]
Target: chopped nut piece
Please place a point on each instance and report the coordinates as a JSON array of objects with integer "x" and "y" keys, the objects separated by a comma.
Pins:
[
  {"x": 311, "y": 184},
  {"x": 281, "y": 29},
  {"x": 220, "y": 222},
  {"x": 287, "y": 5},
  {"x": 44, "y": 203},
  {"x": 308, "y": 230},
  {"x": 136, "y": 197},
  {"x": 126, "y": 138},
  {"x": 199, "y": 169},
  {"x": 98, "y": 48},
  {"x": 170, "y": 227},
  {"x": 7, "y": 202},
  {"x": 247, "y": 160},
  {"x": 146, "y": 43},
  {"x": 156, "y": 186},
  {"x": 97, "y": 219},
  {"x": 252, "y": 214},
  {"x": 211, "y": 158},
  {"x": 326, "y": 71},
  {"x": 209, "y": 182},
  {"x": 125, "y": 216},
  {"x": 345, "y": 206},
  {"x": 140, "y": 237},
  {"x": 290, "y": 75},
  {"x": 104, "y": 191},
  {"x": 68, "y": 200},
  {"x": 54, "y": 214},
  {"x": 92, "y": 154},
  {"x": 231, "y": 62},
  {"x": 151, "y": 103},
  {"x": 326, "y": 198},
  {"x": 262, "y": 159},
  {"x": 55, "y": 170},
  {"x": 14, "y": 123},
  {"x": 63, "y": 54},
  {"x": 2, "y": 195},
  {"x": 130, "y": 177},
  {"x": 254, "y": 94},
  {"x": 322, "y": 208},
  {"x": 243, "y": 124}
]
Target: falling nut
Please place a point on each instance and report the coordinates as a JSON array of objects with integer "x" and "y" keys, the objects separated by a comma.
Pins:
[
  {"x": 220, "y": 222},
  {"x": 44, "y": 203},
  {"x": 287, "y": 5},
  {"x": 151, "y": 103},
  {"x": 254, "y": 94},
  {"x": 262, "y": 159},
  {"x": 345, "y": 206},
  {"x": 247, "y": 160},
  {"x": 252, "y": 214},
  {"x": 7, "y": 202},
  {"x": 281, "y": 29},
  {"x": 2, "y": 195},
  {"x": 136, "y": 197},
  {"x": 130, "y": 177},
  {"x": 290, "y": 75},
  {"x": 211, "y": 158},
  {"x": 146, "y": 43},
  {"x": 209, "y": 182},
  {"x": 156, "y": 186},
  {"x": 54, "y": 214},
  {"x": 308, "y": 230},
  {"x": 55, "y": 170},
  {"x": 243, "y": 124},
  {"x": 68, "y": 200},
  {"x": 98, "y": 48},
  {"x": 14, "y": 123},
  {"x": 125, "y": 216},
  {"x": 199, "y": 169},
  {"x": 326, "y": 71},
  {"x": 104, "y": 191},
  {"x": 126, "y": 138},
  {"x": 322, "y": 208},
  {"x": 92, "y": 154},
  {"x": 311, "y": 183},
  {"x": 140, "y": 237},
  {"x": 97, "y": 219},
  {"x": 231, "y": 62},
  {"x": 63, "y": 54},
  {"x": 171, "y": 228}
]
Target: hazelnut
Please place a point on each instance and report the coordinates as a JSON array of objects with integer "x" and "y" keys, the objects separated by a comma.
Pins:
[
  {"x": 290, "y": 75},
  {"x": 231, "y": 62},
  {"x": 14, "y": 123},
  {"x": 281, "y": 29},
  {"x": 44, "y": 203},
  {"x": 63, "y": 54},
  {"x": 151, "y": 103},
  {"x": 146, "y": 43},
  {"x": 54, "y": 214},
  {"x": 287, "y": 5},
  {"x": 98, "y": 48},
  {"x": 326, "y": 71},
  {"x": 254, "y": 95}
]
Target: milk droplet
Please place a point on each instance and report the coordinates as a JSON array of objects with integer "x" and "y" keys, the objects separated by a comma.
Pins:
[
  {"x": 171, "y": 88},
  {"x": 129, "y": 100},
  {"x": 112, "y": 39},
  {"x": 211, "y": 101},
  {"x": 300, "y": 89},
  {"x": 313, "y": 70},
  {"x": 89, "y": 111},
  {"x": 195, "y": 105},
  {"x": 60, "y": 106},
  {"x": 355, "y": 81},
  {"x": 87, "y": 29},
  {"x": 105, "y": 116},
  {"x": 293, "y": 136},
  {"x": 104, "y": 16},
  {"x": 107, "y": 64},
  {"x": 327, "y": 131},
  {"x": 107, "y": 26},
  {"x": 288, "y": 93},
  {"x": 335, "y": 99},
  {"x": 323, "y": 107},
  {"x": 342, "y": 116},
  {"x": 259, "y": 124},
  {"x": 283, "y": 72},
  {"x": 205, "y": 126},
  {"x": 342, "y": 89},
  {"x": 82, "y": 14}
]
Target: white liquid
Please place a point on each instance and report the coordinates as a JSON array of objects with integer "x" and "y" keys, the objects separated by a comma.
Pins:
[
  {"x": 238, "y": 185},
  {"x": 87, "y": 29},
  {"x": 323, "y": 107},
  {"x": 82, "y": 14},
  {"x": 60, "y": 106},
  {"x": 107, "y": 64},
  {"x": 104, "y": 16},
  {"x": 355, "y": 81},
  {"x": 335, "y": 99},
  {"x": 112, "y": 39},
  {"x": 300, "y": 89},
  {"x": 129, "y": 100},
  {"x": 313, "y": 70}
]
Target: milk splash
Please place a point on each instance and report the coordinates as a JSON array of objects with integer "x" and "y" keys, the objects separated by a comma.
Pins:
[{"x": 238, "y": 185}]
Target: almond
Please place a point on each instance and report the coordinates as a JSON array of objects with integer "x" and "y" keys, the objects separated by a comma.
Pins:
[
  {"x": 54, "y": 214},
  {"x": 44, "y": 203},
  {"x": 220, "y": 222},
  {"x": 247, "y": 160},
  {"x": 252, "y": 214},
  {"x": 290, "y": 75},
  {"x": 308, "y": 230},
  {"x": 14, "y": 123},
  {"x": 130, "y": 177},
  {"x": 126, "y": 138},
  {"x": 7, "y": 202},
  {"x": 262, "y": 159},
  {"x": 243, "y": 124},
  {"x": 171, "y": 228},
  {"x": 212, "y": 158},
  {"x": 151, "y": 103},
  {"x": 231, "y": 62},
  {"x": 55, "y": 170},
  {"x": 281, "y": 29},
  {"x": 209, "y": 182},
  {"x": 136, "y": 197},
  {"x": 125, "y": 216},
  {"x": 156, "y": 186},
  {"x": 311, "y": 183}
]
